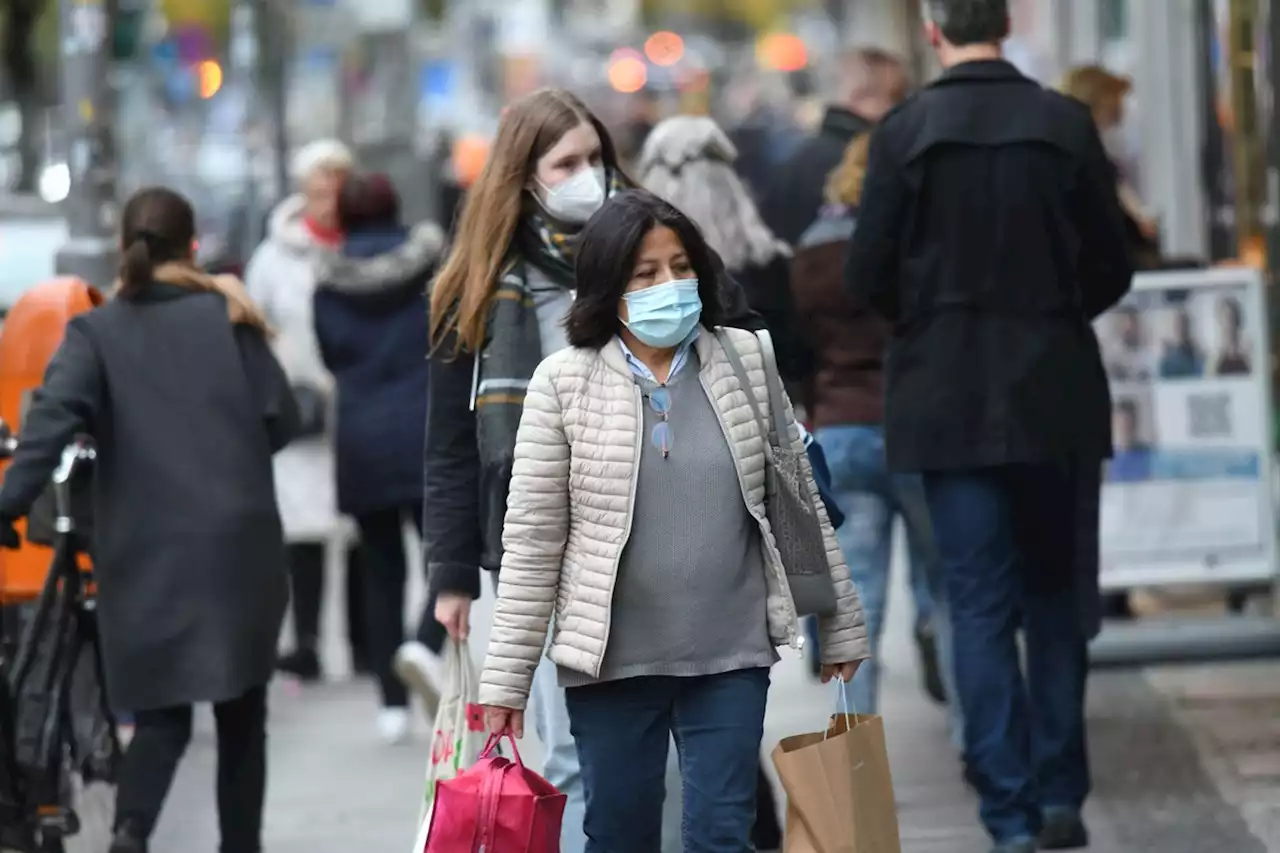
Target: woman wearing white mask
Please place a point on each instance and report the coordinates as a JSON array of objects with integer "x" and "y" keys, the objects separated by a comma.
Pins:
[
  {"x": 636, "y": 517},
  {"x": 497, "y": 309}
]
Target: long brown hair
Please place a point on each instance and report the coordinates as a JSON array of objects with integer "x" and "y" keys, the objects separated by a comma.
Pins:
[
  {"x": 531, "y": 126},
  {"x": 844, "y": 184}
]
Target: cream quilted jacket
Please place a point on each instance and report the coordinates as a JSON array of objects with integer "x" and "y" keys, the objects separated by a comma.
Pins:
[{"x": 569, "y": 514}]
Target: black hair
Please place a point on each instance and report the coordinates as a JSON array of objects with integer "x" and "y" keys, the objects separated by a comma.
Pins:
[
  {"x": 606, "y": 256},
  {"x": 157, "y": 226},
  {"x": 966, "y": 22}
]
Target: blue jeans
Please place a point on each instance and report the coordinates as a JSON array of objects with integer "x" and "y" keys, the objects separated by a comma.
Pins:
[
  {"x": 560, "y": 763},
  {"x": 1007, "y": 537},
  {"x": 560, "y": 755},
  {"x": 623, "y": 729},
  {"x": 871, "y": 498}
]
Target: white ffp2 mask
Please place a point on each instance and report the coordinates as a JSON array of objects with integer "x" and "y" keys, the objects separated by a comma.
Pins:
[{"x": 576, "y": 199}]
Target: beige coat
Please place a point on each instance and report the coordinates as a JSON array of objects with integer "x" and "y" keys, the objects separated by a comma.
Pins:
[{"x": 569, "y": 514}]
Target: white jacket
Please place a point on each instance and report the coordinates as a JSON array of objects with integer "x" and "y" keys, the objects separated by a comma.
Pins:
[
  {"x": 281, "y": 278},
  {"x": 569, "y": 514}
]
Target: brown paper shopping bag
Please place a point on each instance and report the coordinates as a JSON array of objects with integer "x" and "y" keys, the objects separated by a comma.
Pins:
[{"x": 839, "y": 789}]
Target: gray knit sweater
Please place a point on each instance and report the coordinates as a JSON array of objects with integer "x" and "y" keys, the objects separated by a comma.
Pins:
[{"x": 690, "y": 594}]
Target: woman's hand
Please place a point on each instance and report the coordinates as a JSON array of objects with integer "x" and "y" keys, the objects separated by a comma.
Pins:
[
  {"x": 500, "y": 720},
  {"x": 453, "y": 611},
  {"x": 843, "y": 671}
]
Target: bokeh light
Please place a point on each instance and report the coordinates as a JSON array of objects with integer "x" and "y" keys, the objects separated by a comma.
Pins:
[
  {"x": 664, "y": 48},
  {"x": 627, "y": 72},
  {"x": 209, "y": 74},
  {"x": 782, "y": 52}
]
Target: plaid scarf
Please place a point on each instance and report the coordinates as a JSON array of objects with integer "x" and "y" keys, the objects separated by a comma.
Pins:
[{"x": 556, "y": 243}]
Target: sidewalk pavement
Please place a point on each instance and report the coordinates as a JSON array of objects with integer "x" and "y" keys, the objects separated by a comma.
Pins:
[{"x": 1184, "y": 761}]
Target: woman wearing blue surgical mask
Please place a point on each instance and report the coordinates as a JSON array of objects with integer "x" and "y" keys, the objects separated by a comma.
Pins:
[
  {"x": 498, "y": 308},
  {"x": 635, "y": 517}
]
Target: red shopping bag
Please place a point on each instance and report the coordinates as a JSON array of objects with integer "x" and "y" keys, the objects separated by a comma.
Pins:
[{"x": 496, "y": 806}]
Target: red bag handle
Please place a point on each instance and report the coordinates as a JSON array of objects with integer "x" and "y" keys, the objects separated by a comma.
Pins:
[{"x": 497, "y": 738}]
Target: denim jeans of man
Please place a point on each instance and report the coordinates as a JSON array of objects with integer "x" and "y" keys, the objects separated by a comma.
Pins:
[
  {"x": 872, "y": 498},
  {"x": 1008, "y": 541},
  {"x": 624, "y": 729},
  {"x": 560, "y": 763}
]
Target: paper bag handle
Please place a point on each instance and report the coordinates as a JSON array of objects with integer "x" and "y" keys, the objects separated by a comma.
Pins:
[{"x": 845, "y": 703}]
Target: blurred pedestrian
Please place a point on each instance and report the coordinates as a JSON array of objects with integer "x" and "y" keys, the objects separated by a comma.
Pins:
[
  {"x": 869, "y": 83},
  {"x": 991, "y": 266},
  {"x": 644, "y": 663},
  {"x": 497, "y": 309},
  {"x": 281, "y": 278},
  {"x": 689, "y": 161},
  {"x": 371, "y": 325},
  {"x": 1104, "y": 94},
  {"x": 845, "y": 403},
  {"x": 176, "y": 383}
]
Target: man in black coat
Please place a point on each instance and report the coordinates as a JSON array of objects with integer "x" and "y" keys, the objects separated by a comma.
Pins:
[
  {"x": 990, "y": 235},
  {"x": 871, "y": 82}
]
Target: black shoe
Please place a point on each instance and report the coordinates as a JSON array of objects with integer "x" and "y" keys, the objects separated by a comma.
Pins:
[
  {"x": 303, "y": 664},
  {"x": 126, "y": 841},
  {"x": 930, "y": 666},
  {"x": 1063, "y": 830}
]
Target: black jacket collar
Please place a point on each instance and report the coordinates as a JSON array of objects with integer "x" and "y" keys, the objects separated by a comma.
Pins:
[
  {"x": 843, "y": 123},
  {"x": 984, "y": 71}
]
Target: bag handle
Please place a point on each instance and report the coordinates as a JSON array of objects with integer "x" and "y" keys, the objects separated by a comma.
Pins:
[
  {"x": 773, "y": 379},
  {"x": 492, "y": 743},
  {"x": 766, "y": 431},
  {"x": 458, "y": 669}
]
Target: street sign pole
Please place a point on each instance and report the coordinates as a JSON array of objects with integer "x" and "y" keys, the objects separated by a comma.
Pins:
[{"x": 89, "y": 105}]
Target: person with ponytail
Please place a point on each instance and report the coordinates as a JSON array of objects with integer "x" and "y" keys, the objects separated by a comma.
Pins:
[{"x": 175, "y": 381}]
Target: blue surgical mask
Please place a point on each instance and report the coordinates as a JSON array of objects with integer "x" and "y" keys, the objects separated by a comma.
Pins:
[{"x": 665, "y": 314}]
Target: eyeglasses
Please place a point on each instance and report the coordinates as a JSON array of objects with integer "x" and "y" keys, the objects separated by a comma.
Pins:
[{"x": 660, "y": 401}]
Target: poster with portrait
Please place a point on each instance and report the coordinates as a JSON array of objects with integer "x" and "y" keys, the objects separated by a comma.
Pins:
[{"x": 1187, "y": 495}]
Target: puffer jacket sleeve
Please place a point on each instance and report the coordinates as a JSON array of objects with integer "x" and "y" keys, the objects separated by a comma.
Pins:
[
  {"x": 843, "y": 636},
  {"x": 533, "y": 541}
]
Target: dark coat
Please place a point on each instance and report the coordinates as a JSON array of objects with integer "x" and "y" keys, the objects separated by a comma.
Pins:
[
  {"x": 186, "y": 411},
  {"x": 795, "y": 194},
  {"x": 466, "y": 490},
  {"x": 848, "y": 337},
  {"x": 371, "y": 323},
  {"x": 991, "y": 236},
  {"x": 767, "y": 288}
]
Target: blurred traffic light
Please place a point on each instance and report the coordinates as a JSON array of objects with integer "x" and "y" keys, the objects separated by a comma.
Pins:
[{"x": 209, "y": 78}]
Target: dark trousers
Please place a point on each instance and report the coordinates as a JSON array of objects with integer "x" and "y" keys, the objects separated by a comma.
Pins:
[
  {"x": 384, "y": 565},
  {"x": 306, "y": 568},
  {"x": 623, "y": 729},
  {"x": 160, "y": 739},
  {"x": 1008, "y": 539}
]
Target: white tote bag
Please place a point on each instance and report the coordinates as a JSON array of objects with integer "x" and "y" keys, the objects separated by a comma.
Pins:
[{"x": 459, "y": 732}]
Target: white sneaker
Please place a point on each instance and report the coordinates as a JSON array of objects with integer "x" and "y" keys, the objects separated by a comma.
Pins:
[
  {"x": 423, "y": 673},
  {"x": 393, "y": 725}
]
